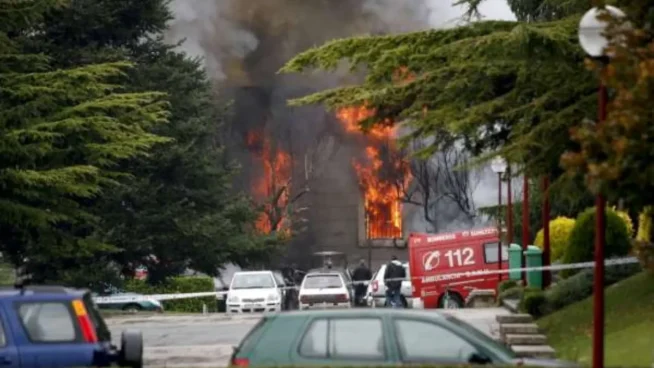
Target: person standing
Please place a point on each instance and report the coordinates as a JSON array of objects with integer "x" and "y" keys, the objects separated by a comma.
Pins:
[
  {"x": 393, "y": 276},
  {"x": 360, "y": 276}
]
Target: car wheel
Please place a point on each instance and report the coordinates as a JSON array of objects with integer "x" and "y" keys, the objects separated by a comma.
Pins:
[
  {"x": 453, "y": 301},
  {"x": 132, "y": 308},
  {"x": 131, "y": 349}
]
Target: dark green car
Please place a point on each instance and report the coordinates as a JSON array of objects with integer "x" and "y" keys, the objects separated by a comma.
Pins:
[{"x": 371, "y": 337}]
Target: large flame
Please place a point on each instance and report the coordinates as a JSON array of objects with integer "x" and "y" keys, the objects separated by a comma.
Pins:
[
  {"x": 271, "y": 185},
  {"x": 383, "y": 175}
]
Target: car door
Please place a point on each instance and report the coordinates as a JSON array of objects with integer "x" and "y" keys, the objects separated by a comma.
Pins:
[
  {"x": 344, "y": 341},
  {"x": 8, "y": 351},
  {"x": 420, "y": 341}
]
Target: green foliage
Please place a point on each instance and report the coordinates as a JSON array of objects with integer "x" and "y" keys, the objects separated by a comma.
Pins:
[
  {"x": 580, "y": 285},
  {"x": 616, "y": 156},
  {"x": 560, "y": 229},
  {"x": 581, "y": 247},
  {"x": 176, "y": 285},
  {"x": 505, "y": 285},
  {"x": 568, "y": 197},
  {"x": 63, "y": 135},
  {"x": 79, "y": 155},
  {"x": 498, "y": 86},
  {"x": 534, "y": 302},
  {"x": 514, "y": 293}
]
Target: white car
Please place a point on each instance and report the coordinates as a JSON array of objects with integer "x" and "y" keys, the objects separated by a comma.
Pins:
[
  {"x": 326, "y": 289},
  {"x": 376, "y": 293},
  {"x": 254, "y": 291}
]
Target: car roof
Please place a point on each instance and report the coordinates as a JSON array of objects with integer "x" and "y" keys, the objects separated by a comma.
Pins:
[
  {"x": 41, "y": 291},
  {"x": 253, "y": 273},
  {"x": 367, "y": 312}
]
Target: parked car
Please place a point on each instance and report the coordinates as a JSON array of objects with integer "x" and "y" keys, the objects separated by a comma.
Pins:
[
  {"x": 376, "y": 293},
  {"x": 60, "y": 327},
  {"x": 325, "y": 289},
  {"x": 130, "y": 302},
  {"x": 372, "y": 337},
  {"x": 447, "y": 262},
  {"x": 255, "y": 291}
]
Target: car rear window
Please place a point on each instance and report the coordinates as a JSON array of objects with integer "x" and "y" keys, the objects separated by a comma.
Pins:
[
  {"x": 101, "y": 328},
  {"x": 48, "y": 321},
  {"x": 323, "y": 282},
  {"x": 252, "y": 336}
]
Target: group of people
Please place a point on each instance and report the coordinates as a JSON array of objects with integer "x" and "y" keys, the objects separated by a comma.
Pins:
[{"x": 393, "y": 276}]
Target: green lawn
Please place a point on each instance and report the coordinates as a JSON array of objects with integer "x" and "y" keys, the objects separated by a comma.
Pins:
[{"x": 629, "y": 326}]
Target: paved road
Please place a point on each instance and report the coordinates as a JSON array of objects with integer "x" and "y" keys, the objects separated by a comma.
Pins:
[{"x": 206, "y": 341}]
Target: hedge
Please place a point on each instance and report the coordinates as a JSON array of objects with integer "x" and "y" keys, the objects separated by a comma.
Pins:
[
  {"x": 580, "y": 286},
  {"x": 515, "y": 292},
  {"x": 506, "y": 285},
  {"x": 534, "y": 302},
  {"x": 176, "y": 285}
]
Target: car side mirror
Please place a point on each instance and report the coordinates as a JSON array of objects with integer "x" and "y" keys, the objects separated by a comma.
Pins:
[{"x": 479, "y": 358}]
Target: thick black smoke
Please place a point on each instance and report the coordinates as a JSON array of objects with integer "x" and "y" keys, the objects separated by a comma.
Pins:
[{"x": 245, "y": 42}]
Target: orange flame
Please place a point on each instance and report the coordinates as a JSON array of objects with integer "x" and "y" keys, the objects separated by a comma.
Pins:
[
  {"x": 272, "y": 185},
  {"x": 382, "y": 177}
]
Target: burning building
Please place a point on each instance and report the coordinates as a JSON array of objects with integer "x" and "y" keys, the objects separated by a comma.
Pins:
[{"x": 314, "y": 174}]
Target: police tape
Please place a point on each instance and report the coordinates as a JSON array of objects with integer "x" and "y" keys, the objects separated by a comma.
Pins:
[{"x": 123, "y": 299}]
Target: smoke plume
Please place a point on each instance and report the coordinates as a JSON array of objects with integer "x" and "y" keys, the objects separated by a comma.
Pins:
[{"x": 244, "y": 42}]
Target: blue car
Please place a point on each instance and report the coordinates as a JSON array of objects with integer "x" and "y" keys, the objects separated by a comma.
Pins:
[{"x": 58, "y": 327}]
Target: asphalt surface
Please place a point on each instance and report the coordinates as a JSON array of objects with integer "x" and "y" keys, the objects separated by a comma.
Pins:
[{"x": 173, "y": 340}]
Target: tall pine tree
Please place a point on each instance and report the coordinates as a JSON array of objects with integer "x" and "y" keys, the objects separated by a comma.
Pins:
[
  {"x": 63, "y": 136},
  {"x": 179, "y": 209}
]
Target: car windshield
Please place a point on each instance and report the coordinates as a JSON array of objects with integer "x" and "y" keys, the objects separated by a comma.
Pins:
[
  {"x": 323, "y": 282},
  {"x": 481, "y": 336},
  {"x": 253, "y": 281}
]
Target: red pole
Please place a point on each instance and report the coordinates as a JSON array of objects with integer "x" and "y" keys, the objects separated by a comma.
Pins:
[
  {"x": 525, "y": 222},
  {"x": 499, "y": 225},
  {"x": 509, "y": 208},
  {"x": 598, "y": 282},
  {"x": 547, "y": 275}
]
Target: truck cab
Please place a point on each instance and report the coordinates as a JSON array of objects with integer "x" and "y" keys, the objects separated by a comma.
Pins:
[{"x": 446, "y": 267}]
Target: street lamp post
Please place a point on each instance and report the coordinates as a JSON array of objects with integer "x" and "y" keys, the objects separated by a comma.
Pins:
[
  {"x": 498, "y": 165},
  {"x": 593, "y": 41},
  {"x": 509, "y": 207}
]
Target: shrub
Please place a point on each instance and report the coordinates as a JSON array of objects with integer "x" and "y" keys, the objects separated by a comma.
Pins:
[
  {"x": 534, "y": 302},
  {"x": 580, "y": 286},
  {"x": 645, "y": 225},
  {"x": 560, "y": 229},
  {"x": 179, "y": 285},
  {"x": 514, "y": 293},
  {"x": 506, "y": 284},
  {"x": 581, "y": 244},
  {"x": 627, "y": 221}
]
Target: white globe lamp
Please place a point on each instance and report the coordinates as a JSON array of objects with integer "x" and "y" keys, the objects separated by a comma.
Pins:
[
  {"x": 592, "y": 36},
  {"x": 498, "y": 165}
]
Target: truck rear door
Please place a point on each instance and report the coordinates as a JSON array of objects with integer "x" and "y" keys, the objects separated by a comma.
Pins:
[{"x": 8, "y": 351}]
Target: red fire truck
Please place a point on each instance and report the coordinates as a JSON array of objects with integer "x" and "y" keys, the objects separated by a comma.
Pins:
[{"x": 438, "y": 262}]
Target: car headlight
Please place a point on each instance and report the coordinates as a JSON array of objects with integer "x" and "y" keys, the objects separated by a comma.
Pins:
[
  {"x": 232, "y": 299},
  {"x": 156, "y": 303},
  {"x": 273, "y": 297}
]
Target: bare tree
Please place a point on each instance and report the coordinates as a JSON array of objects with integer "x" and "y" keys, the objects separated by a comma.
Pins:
[
  {"x": 442, "y": 185},
  {"x": 284, "y": 204}
]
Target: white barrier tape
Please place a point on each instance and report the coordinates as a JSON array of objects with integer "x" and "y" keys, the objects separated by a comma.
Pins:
[{"x": 122, "y": 299}]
